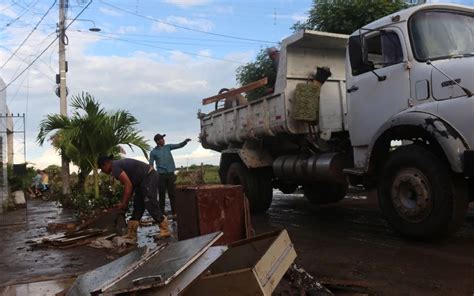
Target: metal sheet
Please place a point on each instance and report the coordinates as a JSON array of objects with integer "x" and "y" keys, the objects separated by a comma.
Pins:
[
  {"x": 191, "y": 274},
  {"x": 206, "y": 209},
  {"x": 100, "y": 277},
  {"x": 160, "y": 269}
]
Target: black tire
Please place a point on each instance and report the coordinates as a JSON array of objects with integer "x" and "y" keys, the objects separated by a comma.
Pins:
[
  {"x": 257, "y": 185},
  {"x": 287, "y": 188},
  {"x": 325, "y": 193},
  {"x": 419, "y": 195}
]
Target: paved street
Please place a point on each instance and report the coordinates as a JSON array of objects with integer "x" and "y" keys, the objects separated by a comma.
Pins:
[{"x": 350, "y": 241}]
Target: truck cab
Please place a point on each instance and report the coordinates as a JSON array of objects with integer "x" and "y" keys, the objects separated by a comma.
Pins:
[{"x": 410, "y": 78}]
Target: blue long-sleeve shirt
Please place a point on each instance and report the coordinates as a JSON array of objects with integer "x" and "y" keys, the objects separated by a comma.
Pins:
[{"x": 161, "y": 156}]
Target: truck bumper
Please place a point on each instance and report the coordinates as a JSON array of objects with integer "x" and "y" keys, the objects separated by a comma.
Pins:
[{"x": 468, "y": 160}]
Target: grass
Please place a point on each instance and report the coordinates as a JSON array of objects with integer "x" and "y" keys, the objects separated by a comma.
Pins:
[{"x": 192, "y": 175}]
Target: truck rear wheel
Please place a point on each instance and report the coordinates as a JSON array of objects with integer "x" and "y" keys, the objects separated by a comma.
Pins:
[
  {"x": 287, "y": 188},
  {"x": 418, "y": 194},
  {"x": 257, "y": 184},
  {"x": 325, "y": 193}
]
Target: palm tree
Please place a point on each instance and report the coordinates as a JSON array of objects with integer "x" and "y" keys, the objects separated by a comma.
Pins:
[{"x": 91, "y": 132}]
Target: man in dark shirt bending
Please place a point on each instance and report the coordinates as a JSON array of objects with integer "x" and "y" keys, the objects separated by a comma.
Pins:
[{"x": 141, "y": 178}]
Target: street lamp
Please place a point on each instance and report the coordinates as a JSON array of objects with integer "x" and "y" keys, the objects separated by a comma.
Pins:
[
  {"x": 93, "y": 28},
  {"x": 61, "y": 78}
]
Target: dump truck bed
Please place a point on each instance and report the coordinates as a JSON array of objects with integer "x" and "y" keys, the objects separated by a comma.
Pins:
[{"x": 271, "y": 116}]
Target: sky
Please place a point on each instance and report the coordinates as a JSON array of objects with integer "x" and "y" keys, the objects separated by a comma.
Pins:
[{"x": 156, "y": 59}]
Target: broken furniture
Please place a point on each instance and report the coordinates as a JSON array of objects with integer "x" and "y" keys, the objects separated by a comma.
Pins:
[
  {"x": 253, "y": 266},
  {"x": 192, "y": 267},
  {"x": 208, "y": 208}
]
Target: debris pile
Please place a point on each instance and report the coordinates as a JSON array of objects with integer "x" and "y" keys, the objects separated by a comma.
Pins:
[
  {"x": 195, "y": 266},
  {"x": 68, "y": 239},
  {"x": 105, "y": 228},
  {"x": 297, "y": 282}
]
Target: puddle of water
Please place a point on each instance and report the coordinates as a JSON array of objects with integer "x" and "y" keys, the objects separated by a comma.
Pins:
[{"x": 37, "y": 289}]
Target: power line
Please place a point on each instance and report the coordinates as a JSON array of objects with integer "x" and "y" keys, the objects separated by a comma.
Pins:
[
  {"x": 29, "y": 35},
  {"x": 184, "y": 27},
  {"x": 31, "y": 5},
  {"x": 178, "y": 37},
  {"x": 44, "y": 50},
  {"x": 173, "y": 50},
  {"x": 24, "y": 60},
  {"x": 167, "y": 42}
]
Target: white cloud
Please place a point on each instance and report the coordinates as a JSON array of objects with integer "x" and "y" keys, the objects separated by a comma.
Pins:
[
  {"x": 110, "y": 12},
  {"x": 162, "y": 90},
  {"x": 187, "y": 3},
  {"x": 197, "y": 156},
  {"x": 126, "y": 29},
  {"x": 161, "y": 27},
  {"x": 205, "y": 52},
  {"x": 7, "y": 11},
  {"x": 198, "y": 23}
]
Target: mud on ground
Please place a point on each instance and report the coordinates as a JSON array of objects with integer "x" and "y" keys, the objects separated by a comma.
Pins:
[
  {"x": 346, "y": 246},
  {"x": 350, "y": 243}
]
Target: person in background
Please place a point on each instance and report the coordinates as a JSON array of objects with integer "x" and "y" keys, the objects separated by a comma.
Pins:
[
  {"x": 139, "y": 178},
  {"x": 274, "y": 55},
  {"x": 44, "y": 185},
  {"x": 163, "y": 159},
  {"x": 33, "y": 190}
]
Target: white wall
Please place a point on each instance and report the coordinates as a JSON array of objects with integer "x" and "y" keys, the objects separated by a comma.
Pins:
[{"x": 3, "y": 145}]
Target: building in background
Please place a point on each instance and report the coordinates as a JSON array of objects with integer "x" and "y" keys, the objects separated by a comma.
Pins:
[{"x": 6, "y": 144}]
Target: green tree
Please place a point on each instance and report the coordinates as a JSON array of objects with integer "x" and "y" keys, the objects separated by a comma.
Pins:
[
  {"x": 346, "y": 16},
  {"x": 91, "y": 132},
  {"x": 335, "y": 16},
  {"x": 251, "y": 72}
]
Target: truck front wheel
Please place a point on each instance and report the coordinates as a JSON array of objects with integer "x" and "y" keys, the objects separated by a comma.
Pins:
[
  {"x": 257, "y": 185},
  {"x": 325, "y": 193},
  {"x": 418, "y": 194}
]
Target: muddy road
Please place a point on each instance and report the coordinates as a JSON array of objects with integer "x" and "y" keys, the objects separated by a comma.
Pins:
[
  {"x": 347, "y": 243},
  {"x": 351, "y": 242}
]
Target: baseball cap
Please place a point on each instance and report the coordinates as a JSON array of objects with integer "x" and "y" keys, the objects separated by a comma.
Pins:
[
  {"x": 103, "y": 159},
  {"x": 159, "y": 136}
]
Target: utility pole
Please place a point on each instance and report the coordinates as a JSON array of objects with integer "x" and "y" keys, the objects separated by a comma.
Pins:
[{"x": 62, "y": 86}]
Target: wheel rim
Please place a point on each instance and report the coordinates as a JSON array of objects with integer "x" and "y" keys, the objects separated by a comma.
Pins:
[{"x": 411, "y": 195}]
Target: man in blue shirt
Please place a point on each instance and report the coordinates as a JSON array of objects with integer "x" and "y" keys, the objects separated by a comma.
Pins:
[{"x": 161, "y": 156}]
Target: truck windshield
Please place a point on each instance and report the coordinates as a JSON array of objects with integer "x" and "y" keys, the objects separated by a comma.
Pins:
[{"x": 442, "y": 34}]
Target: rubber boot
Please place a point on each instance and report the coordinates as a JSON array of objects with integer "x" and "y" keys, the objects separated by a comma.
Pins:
[
  {"x": 164, "y": 229},
  {"x": 132, "y": 230}
]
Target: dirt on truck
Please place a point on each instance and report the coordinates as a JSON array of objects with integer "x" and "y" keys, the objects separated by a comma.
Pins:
[{"x": 395, "y": 116}]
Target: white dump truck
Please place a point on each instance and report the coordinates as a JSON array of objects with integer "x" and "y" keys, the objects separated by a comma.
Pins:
[{"x": 396, "y": 116}]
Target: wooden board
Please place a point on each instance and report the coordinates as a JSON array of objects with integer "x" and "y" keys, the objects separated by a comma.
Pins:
[
  {"x": 236, "y": 91},
  {"x": 250, "y": 267}
]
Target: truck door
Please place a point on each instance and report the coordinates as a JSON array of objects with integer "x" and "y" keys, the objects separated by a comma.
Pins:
[{"x": 378, "y": 83}]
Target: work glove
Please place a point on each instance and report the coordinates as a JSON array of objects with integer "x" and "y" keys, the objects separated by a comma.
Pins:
[{"x": 322, "y": 74}]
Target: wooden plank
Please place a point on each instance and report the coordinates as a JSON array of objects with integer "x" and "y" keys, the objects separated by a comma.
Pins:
[
  {"x": 236, "y": 91},
  {"x": 243, "y": 282}
]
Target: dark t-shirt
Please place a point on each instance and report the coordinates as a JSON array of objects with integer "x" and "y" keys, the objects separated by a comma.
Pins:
[{"x": 135, "y": 170}]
